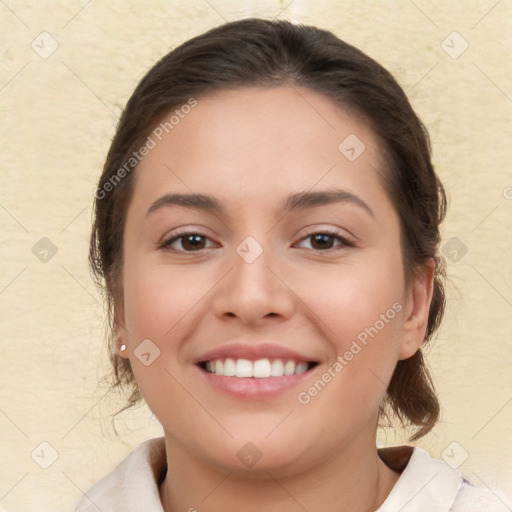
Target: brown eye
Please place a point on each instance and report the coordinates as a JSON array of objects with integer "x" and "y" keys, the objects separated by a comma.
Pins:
[
  {"x": 326, "y": 240},
  {"x": 186, "y": 242},
  {"x": 322, "y": 241}
]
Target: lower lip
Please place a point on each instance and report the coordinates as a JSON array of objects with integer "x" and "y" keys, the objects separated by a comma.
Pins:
[{"x": 253, "y": 387}]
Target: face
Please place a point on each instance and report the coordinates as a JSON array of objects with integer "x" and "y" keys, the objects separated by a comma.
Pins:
[{"x": 271, "y": 310}]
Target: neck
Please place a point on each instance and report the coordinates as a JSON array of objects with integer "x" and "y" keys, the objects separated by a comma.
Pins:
[{"x": 349, "y": 481}]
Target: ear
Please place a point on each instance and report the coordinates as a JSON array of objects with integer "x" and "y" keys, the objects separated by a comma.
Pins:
[{"x": 417, "y": 309}]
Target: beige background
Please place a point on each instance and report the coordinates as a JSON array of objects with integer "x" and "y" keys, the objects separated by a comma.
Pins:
[{"x": 57, "y": 118}]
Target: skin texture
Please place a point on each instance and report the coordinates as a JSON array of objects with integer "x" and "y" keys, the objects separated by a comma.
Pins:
[{"x": 250, "y": 148}]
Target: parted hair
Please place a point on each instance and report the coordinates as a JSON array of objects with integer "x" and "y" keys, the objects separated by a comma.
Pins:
[{"x": 256, "y": 52}]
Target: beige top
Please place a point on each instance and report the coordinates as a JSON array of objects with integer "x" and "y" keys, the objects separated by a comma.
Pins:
[{"x": 425, "y": 484}]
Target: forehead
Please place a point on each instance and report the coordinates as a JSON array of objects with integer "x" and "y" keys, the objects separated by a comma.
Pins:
[{"x": 255, "y": 143}]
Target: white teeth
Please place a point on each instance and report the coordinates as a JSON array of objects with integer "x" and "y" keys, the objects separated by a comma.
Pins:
[
  {"x": 301, "y": 367},
  {"x": 277, "y": 368},
  {"x": 260, "y": 369},
  {"x": 289, "y": 368},
  {"x": 229, "y": 368},
  {"x": 243, "y": 368}
]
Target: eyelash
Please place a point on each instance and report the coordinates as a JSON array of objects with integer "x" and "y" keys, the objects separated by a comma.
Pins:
[{"x": 345, "y": 242}]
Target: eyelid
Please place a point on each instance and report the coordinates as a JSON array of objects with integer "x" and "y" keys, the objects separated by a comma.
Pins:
[
  {"x": 168, "y": 239},
  {"x": 347, "y": 240},
  {"x": 334, "y": 230}
]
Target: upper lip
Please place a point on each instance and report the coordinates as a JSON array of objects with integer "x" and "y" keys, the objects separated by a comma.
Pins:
[{"x": 252, "y": 352}]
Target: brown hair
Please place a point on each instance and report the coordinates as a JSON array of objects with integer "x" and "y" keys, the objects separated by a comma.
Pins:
[{"x": 255, "y": 52}]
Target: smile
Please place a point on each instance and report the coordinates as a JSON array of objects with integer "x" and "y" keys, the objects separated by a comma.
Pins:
[
  {"x": 260, "y": 369},
  {"x": 260, "y": 379}
]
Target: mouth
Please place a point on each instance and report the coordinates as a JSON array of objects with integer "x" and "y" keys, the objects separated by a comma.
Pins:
[
  {"x": 264, "y": 368},
  {"x": 254, "y": 371},
  {"x": 261, "y": 379}
]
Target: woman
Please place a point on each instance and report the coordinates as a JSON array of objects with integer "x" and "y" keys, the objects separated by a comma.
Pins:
[{"x": 267, "y": 232}]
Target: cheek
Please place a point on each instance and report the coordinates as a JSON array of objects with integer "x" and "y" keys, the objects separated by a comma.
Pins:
[
  {"x": 361, "y": 314},
  {"x": 159, "y": 304},
  {"x": 349, "y": 299},
  {"x": 157, "y": 298}
]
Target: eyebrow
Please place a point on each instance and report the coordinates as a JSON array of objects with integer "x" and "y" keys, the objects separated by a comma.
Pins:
[{"x": 294, "y": 202}]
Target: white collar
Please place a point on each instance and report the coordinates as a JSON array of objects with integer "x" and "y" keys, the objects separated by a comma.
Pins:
[
  {"x": 133, "y": 485},
  {"x": 425, "y": 484}
]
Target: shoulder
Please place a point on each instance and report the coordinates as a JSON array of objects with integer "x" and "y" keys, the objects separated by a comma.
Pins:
[
  {"x": 427, "y": 483},
  {"x": 133, "y": 485},
  {"x": 475, "y": 499}
]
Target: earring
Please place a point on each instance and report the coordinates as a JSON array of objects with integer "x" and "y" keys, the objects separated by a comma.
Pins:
[{"x": 122, "y": 348}]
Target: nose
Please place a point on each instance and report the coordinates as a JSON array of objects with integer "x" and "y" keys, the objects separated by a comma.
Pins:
[{"x": 254, "y": 291}]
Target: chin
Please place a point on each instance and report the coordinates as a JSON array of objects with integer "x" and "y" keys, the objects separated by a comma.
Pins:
[{"x": 255, "y": 454}]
